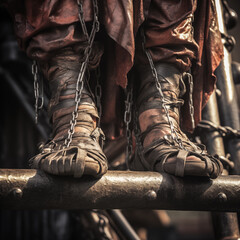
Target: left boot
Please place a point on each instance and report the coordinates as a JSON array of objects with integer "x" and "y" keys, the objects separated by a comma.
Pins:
[
  {"x": 79, "y": 153},
  {"x": 161, "y": 145}
]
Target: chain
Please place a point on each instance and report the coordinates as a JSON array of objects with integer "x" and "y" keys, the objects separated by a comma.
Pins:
[
  {"x": 191, "y": 107},
  {"x": 224, "y": 131},
  {"x": 127, "y": 120},
  {"x": 226, "y": 161},
  {"x": 165, "y": 102},
  {"x": 80, "y": 79},
  {"x": 228, "y": 41},
  {"x": 36, "y": 90},
  {"x": 81, "y": 19},
  {"x": 98, "y": 94},
  {"x": 190, "y": 81},
  {"x": 102, "y": 225}
]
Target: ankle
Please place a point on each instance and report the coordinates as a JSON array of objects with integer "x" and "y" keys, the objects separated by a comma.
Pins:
[{"x": 86, "y": 121}]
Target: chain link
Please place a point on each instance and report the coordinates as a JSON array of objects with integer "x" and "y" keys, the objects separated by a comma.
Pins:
[
  {"x": 225, "y": 131},
  {"x": 36, "y": 90},
  {"x": 165, "y": 102},
  {"x": 226, "y": 161},
  {"x": 102, "y": 225},
  {"x": 81, "y": 19},
  {"x": 80, "y": 79},
  {"x": 191, "y": 107},
  {"x": 228, "y": 41},
  {"x": 127, "y": 121}
]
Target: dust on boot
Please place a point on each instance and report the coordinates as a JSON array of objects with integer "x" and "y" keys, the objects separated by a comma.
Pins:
[
  {"x": 161, "y": 145},
  {"x": 79, "y": 153}
]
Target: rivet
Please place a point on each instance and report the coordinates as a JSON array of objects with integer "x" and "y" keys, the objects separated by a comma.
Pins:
[
  {"x": 222, "y": 197},
  {"x": 151, "y": 195},
  {"x": 17, "y": 192}
]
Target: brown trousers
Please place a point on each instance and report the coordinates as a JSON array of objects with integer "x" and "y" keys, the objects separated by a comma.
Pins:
[{"x": 43, "y": 27}]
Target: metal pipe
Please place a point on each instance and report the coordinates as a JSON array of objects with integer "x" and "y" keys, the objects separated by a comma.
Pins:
[
  {"x": 122, "y": 224},
  {"x": 225, "y": 224},
  {"x": 212, "y": 139},
  {"x": 228, "y": 106},
  {"x": 32, "y": 189}
]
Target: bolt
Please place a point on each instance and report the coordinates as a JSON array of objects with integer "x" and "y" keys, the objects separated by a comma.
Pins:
[
  {"x": 222, "y": 197},
  {"x": 151, "y": 195},
  {"x": 17, "y": 193}
]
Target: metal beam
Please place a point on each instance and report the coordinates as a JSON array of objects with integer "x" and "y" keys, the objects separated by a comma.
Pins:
[
  {"x": 225, "y": 223},
  {"x": 227, "y": 102},
  {"x": 31, "y": 189}
]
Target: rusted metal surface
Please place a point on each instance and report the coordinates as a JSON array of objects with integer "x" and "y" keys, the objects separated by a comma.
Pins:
[
  {"x": 225, "y": 223},
  {"x": 225, "y": 226},
  {"x": 123, "y": 224},
  {"x": 31, "y": 189},
  {"x": 228, "y": 106}
]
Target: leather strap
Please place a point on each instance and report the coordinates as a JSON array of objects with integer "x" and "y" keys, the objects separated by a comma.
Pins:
[{"x": 180, "y": 163}]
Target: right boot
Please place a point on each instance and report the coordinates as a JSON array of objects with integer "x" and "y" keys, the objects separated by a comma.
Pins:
[
  {"x": 161, "y": 144},
  {"x": 84, "y": 155}
]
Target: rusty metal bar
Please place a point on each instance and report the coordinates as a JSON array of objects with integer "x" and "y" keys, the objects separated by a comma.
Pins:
[
  {"x": 123, "y": 224},
  {"x": 31, "y": 189},
  {"x": 228, "y": 105},
  {"x": 225, "y": 223}
]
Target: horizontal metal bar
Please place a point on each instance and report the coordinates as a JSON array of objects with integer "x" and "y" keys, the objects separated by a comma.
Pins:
[{"x": 31, "y": 189}]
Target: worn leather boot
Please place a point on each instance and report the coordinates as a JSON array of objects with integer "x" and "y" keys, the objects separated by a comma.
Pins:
[
  {"x": 160, "y": 144},
  {"x": 84, "y": 154}
]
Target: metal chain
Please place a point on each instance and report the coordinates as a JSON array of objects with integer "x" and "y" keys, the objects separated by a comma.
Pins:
[
  {"x": 190, "y": 79},
  {"x": 191, "y": 107},
  {"x": 127, "y": 121},
  {"x": 225, "y": 131},
  {"x": 81, "y": 19},
  {"x": 36, "y": 90},
  {"x": 102, "y": 225},
  {"x": 80, "y": 79},
  {"x": 165, "y": 102},
  {"x": 228, "y": 41},
  {"x": 226, "y": 161}
]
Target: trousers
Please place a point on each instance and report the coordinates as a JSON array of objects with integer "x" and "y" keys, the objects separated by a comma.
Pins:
[{"x": 184, "y": 33}]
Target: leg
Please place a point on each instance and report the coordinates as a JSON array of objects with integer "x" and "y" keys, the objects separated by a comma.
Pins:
[
  {"x": 169, "y": 47},
  {"x": 56, "y": 41},
  {"x": 81, "y": 153}
]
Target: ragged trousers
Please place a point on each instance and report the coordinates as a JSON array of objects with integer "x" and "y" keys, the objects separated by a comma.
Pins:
[{"x": 183, "y": 33}]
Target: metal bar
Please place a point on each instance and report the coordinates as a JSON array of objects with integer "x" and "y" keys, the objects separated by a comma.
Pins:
[
  {"x": 212, "y": 139},
  {"x": 228, "y": 106},
  {"x": 225, "y": 224},
  {"x": 31, "y": 189},
  {"x": 123, "y": 224}
]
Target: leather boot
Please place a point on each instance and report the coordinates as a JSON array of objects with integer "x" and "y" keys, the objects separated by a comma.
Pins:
[
  {"x": 84, "y": 154},
  {"x": 160, "y": 144}
]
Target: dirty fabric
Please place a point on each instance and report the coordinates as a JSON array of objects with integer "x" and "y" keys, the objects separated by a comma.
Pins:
[{"x": 44, "y": 27}]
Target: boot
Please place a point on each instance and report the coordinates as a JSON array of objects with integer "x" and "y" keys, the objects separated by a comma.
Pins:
[
  {"x": 161, "y": 145},
  {"x": 84, "y": 154}
]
